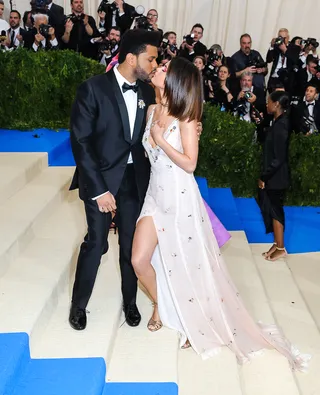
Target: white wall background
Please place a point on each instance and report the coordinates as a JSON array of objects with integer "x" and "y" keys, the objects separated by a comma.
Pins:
[{"x": 225, "y": 20}]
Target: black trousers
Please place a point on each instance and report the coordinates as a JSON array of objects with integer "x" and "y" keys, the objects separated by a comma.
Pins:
[{"x": 95, "y": 243}]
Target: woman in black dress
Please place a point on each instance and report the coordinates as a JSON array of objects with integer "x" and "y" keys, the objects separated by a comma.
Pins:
[{"x": 274, "y": 179}]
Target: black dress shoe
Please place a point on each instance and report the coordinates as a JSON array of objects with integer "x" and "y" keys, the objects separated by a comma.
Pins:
[
  {"x": 132, "y": 314},
  {"x": 78, "y": 318}
]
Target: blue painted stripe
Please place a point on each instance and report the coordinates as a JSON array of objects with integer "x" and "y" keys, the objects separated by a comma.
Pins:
[{"x": 141, "y": 389}]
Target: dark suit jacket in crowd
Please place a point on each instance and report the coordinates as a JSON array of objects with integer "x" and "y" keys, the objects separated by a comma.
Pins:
[
  {"x": 101, "y": 140},
  {"x": 275, "y": 167},
  {"x": 124, "y": 21},
  {"x": 199, "y": 50},
  {"x": 300, "y": 112},
  {"x": 30, "y": 37}
]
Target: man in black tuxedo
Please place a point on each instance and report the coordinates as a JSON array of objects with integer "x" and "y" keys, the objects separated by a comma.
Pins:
[
  {"x": 121, "y": 14},
  {"x": 107, "y": 123},
  {"x": 306, "y": 115}
]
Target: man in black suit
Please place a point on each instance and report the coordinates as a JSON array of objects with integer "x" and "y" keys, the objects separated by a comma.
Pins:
[
  {"x": 36, "y": 39},
  {"x": 16, "y": 35},
  {"x": 120, "y": 14},
  {"x": 107, "y": 123},
  {"x": 306, "y": 115}
]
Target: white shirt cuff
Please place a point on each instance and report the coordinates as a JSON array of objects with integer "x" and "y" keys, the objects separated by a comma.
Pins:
[
  {"x": 54, "y": 42},
  {"x": 97, "y": 197},
  {"x": 121, "y": 13},
  {"x": 35, "y": 47}
]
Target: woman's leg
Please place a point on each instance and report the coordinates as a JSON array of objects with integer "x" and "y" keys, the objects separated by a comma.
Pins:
[
  {"x": 144, "y": 243},
  {"x": 280, "y": 251}
]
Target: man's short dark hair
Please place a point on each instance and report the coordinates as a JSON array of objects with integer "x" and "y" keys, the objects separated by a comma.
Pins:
[
  {"x": 199, "y": 26},
  {"x": 167, "y": 34},
  {"x": 312, "y": 85},
  {"x": 117, "y": 28},
  {"x": 17, "y": 12},
  {"x": 245, "y": 35},
  {"x": 2, "y": 2},
  {"x": 135, "y": 41},
  {"x": 311, "y": 59}
]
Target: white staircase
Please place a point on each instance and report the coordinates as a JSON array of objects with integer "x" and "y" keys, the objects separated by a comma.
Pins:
[{"x": 42, "y": 225}]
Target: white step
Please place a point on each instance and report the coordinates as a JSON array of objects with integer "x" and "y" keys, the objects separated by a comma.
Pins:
[
  {"x": 17, "y": 169},
  {"x": 266, "y": 374},
  {"x": 143, "y": 356},
  {"x": 33, "y": 281},
  {"x": 59, "y": 340},
  {"x": 28, "y": 208},
  {"x": 292, "y": 314}
]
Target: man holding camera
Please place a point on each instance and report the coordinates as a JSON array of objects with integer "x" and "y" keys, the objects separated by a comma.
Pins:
[
  {"x": 249, "y": 60},
  {"x": 109, "y": 46},
  {"x": 250, "y": 98},
  {"x": 191, "y": 46},
  {"x": 42, "y": 35},
  {"x": 168, "y": 48},
  {"x": 285, "y": 61},
  {"x": 79, "y": 30},
  {"x": 117, "y": 13}
]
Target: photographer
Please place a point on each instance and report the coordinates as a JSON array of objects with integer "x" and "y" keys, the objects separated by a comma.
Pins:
[
  {"x": 306, "y": 115},
  {"x": 152, "y": 17},
  {"x": 108, "y": 47},
  {"x": 285, "y": 62},
  {"x": 221, "y": 90},
  {"x": 308, "y": 75},
  {"x": 42, "y": 35},
  {"x": 191, "y": 45},
  {"x": 250, "y": 100},
  {"x": 249, "y": 60},
  {"x": 117, "y": 13},
  {"x": 168, "y": 47},
  {"x": 79, "y": 30},
  {"x": 307, "y": 46}
]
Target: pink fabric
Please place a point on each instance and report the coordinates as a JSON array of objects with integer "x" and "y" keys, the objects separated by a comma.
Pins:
[
  {"x": 113, "y": 62},
  {"x": 221, "y": 233}
]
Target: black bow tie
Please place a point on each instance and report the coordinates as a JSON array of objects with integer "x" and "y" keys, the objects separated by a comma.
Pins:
[
  {"x": 310, "y": 104},
  {"x": 126, "y": 87}
]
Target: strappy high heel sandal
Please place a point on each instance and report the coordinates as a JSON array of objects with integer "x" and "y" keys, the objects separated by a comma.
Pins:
[
  {"x": 186, "y": 345},
  {"x": 154, "y": 325},
  {"x": 271, "y": 250},
  {"x": 283, "y": 255}
]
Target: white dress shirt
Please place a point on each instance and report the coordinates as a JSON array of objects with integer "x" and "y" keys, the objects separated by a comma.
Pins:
[
  {"x": 16, "y": 42},
  {"x": 131, "y": 100},
  {"x": 282, "y": 64},
  {"x": 4, "y": 25}
]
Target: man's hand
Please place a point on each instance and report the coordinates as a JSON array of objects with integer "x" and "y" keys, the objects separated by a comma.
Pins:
[
  {"x": 107, "y": 203},
  {"x": 261, "y": 184},
  {"x": 119, "y": 4},
  {"x": 38, "y": 38},
  {"x": 252, "y": 99},
  {"x": 52, "y": 33},
  {"x": 69, "y": 26}
]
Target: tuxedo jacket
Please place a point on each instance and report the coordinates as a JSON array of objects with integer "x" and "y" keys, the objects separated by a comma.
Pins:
[
  {"x": 299, "y": 112},
  {"x": 101, "y": 140},
  {"x": 124, "y": 22},
  {"x": 275, "y": 167},
  {"x": 302, "y": 82}
]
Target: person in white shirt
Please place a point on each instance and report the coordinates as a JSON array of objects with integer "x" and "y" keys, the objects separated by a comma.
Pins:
[{"x": 4, "y": 25}]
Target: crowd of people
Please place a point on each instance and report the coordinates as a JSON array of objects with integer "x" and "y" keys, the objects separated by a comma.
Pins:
[{"x": 237, "y": 83}]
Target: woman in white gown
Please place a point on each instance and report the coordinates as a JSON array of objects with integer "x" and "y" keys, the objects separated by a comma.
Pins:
[{"x": 188, "y": 280}]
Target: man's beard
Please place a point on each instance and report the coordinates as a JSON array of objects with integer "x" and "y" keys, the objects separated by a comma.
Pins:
[{"x": 141, "y": 74}]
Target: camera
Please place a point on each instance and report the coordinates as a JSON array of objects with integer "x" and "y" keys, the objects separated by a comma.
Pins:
[
  {"x": 241, "y": 108},
  {"x": 44, "y": 30},
  {"x": 257, "y": 62},
  {"x": 107, "y": 45},
  {"x": 213, "y": 56},
  {"x": 3, "y": 35},
  {"x": 107, "y": 6},
  {"x": 189, "y": 39},
  {"x": 142, "y": 22},
  {"x": 310, "y": 41},
  {"x": 75, "y": 18},
  {"x": 279, "y": 41},
  {"x": 165, "y": 45}
]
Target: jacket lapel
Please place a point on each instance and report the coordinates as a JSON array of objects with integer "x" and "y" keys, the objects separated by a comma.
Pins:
[
  {"x": 141, "y": 111},
  {"x": 122, "y": 107}
]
